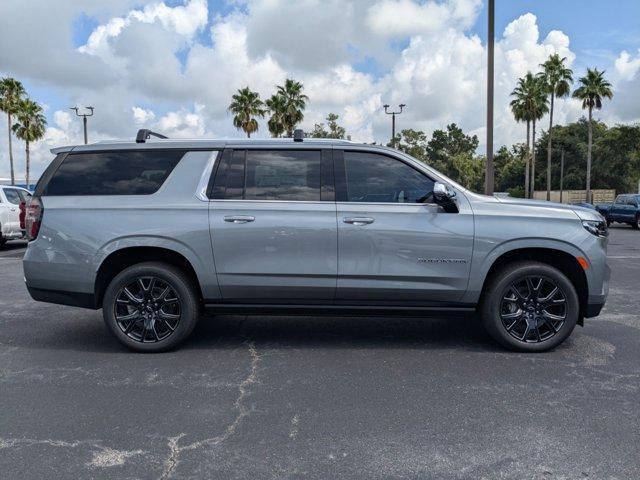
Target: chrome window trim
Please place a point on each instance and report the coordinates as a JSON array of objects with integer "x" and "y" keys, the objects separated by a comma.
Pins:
[{"x": 203, "y": 183}]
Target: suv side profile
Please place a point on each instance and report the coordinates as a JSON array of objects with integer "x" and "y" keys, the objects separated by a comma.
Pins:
[{"x": 153, "y": 232}]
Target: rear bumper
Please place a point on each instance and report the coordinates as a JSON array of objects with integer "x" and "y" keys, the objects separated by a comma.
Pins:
[{"x": 73, "y": 299}]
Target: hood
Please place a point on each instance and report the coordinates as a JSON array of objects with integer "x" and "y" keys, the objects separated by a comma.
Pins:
[{"x": 583, "y": 213}]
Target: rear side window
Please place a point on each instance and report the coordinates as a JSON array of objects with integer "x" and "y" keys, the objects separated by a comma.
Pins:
[
  {"x": 113, "y": 173},
  {"x": 282, "y": 175},
  {"x": 293, "y": 175}
]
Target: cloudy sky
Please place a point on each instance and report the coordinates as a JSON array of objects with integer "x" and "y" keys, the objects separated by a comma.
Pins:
[{"x": 173, "y": 65}]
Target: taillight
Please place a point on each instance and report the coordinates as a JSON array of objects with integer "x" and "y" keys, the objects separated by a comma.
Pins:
[
  {"x": 22, "y": 213},
  {"x": 33, "y": 217}
]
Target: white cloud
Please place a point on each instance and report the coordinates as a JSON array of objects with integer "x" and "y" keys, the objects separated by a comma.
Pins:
[
  {"x": 406, "y": 17},
  {"x": 142, "y": 116},
  {"x": 627, "y": 66}
]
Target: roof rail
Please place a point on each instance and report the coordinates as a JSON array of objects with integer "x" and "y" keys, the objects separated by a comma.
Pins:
[{"x": 144, "y": 134}]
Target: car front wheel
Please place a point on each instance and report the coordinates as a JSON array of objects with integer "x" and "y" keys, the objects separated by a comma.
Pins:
[
  {"x": 151, "y": 307},
  {"x": 530, "y": 307}
]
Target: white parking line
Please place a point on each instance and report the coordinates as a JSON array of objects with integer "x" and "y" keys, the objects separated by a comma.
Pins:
[{"x": 624, "y": 256}]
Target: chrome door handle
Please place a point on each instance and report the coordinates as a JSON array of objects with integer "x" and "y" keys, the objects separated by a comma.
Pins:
[
  {"x": 358, "y": 220},
  {"x": 239, "y": 219}
]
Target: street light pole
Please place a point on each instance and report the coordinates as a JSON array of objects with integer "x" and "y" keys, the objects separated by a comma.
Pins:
[
  {"x": 393, "y": 121},
  {"x": 561, "y": 171},
  {"x": 84, "y": 119},
  {"x": 489, "y": 173}
]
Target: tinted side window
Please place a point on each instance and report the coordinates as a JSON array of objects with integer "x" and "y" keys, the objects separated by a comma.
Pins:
[
  {"x": 620, "y": 200},
  {"x": 282, "y": 175},
  {"x": 113, "y": 173},
  {"x": 13, "y": 195},
  {"x": 371, "y": 177}
]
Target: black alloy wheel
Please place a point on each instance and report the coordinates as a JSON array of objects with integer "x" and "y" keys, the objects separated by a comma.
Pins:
[
  {"x": 533, "y": 309},
  {"x": 147, "y": 309}
]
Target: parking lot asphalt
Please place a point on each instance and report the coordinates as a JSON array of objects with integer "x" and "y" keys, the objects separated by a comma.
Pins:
[{"x": 319, "y": 398}]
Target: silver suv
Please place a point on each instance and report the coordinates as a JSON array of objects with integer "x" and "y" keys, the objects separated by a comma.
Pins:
[{"x": 153, "y": 232}]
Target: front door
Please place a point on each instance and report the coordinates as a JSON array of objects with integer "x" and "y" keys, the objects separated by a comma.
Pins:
[
  {"x": 394, "y": 245},
  {"x": 273, "y": 226}
]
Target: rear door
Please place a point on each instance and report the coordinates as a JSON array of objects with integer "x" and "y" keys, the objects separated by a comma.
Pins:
[
  {"x": 395, "y": 246},
  {"x": 273, "y": 226}
]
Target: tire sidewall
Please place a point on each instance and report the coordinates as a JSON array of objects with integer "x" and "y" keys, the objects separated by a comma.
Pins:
[
  {"x": 183, "y": 287},
  {"x": 493, "y": 297}
]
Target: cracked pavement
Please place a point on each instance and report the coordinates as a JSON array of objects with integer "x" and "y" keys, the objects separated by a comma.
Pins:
[{"x": 295, "y": 397}]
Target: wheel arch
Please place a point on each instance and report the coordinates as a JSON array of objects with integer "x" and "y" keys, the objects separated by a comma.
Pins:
[
  {"x": 564, "y": 261},
  {"x": 122, "y": 258}
]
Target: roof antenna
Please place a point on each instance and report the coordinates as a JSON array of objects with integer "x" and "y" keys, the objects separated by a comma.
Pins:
[
  {"x": 144, "y": 134},
  {"x": 298, "y": 135}
]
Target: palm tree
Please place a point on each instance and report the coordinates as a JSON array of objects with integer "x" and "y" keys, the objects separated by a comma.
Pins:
[
  {"x": 558, "y": 80},
  {"x": 529, "y": 104},
  {"x": 29, "y": 127},
  {"x": 518, "y": 108},
  {"x": 593, "y": 88},
  {"x": 539, "y": 106},
  {"x": 11, "y": 91},
  {"x": 294, "y": 102},
  {"x": 276, "y": 106},
  {"x": 246, "y": 105}
]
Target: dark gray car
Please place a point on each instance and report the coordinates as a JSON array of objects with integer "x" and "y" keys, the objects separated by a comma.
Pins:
[{"x": 153, "y": 232}]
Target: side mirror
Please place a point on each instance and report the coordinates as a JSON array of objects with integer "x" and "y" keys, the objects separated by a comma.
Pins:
[{"x": 444, "y": 195}]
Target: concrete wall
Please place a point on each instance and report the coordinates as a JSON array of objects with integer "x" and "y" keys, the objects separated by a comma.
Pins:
[{"x": 576, "y": 196}]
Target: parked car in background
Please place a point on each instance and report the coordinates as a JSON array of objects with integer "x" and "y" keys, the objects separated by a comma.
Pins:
[
  {"x": 10, "y": 199},
  {"x": 154, "y": 232},
  {"x": 625, "y": 209}
]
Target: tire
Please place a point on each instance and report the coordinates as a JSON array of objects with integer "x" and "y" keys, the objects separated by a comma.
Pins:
[
  {"x": 501, "y": 305},
  {"x": 636, "y": 224},
  {"x": 608, "y": 220},
  {"x": 3, "y": 240},
  {"x": 143, "y": 317}
]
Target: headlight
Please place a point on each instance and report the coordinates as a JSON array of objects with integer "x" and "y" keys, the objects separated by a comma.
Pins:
[{"x": 595, "y": 227}]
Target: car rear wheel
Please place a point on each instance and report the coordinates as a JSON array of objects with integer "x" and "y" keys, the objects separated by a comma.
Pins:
[
  {"x": 151, "y": 307},
  {"x": 530, "y": 307},
  {"x": 636, "y": 224}
]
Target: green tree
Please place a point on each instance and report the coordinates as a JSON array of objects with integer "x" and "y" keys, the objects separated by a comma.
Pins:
[
  {"x": 529, "y": 104},
  {"x": 412, "y": 142},
  {"x": 246, "y": 105},
  {"x": 469, "y": 170},
  {"x": 277, "y": 108},
  {"x": 11, "y": 92},
  {"x": 444, "y": 145},
  {"x": 558, "y": 80},
  {"x": 335, "y": 130},
  {"x": 29, "y": 127},
  {"x": 294, "y": 104},
  {"x": 593, "y": 88}
]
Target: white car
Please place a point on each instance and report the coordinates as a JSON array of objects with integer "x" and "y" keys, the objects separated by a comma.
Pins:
[{"x": 10, "y": 198}]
